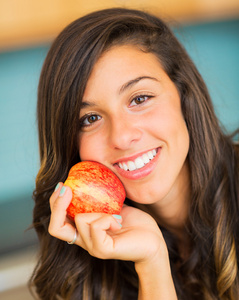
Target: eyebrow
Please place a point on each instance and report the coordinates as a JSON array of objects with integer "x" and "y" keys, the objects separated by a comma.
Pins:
[
  {"x": 124, "y": 87},
  {"x": 132, "y": 82}
]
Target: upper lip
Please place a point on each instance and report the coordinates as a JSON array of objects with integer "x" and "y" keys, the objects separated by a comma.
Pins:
[{"x": 133, "y": 157}]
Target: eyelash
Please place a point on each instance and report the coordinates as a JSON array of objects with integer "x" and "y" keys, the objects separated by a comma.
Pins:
[
  {"x": 140, "y": 96},
  {"x": 84, "y": 118}
]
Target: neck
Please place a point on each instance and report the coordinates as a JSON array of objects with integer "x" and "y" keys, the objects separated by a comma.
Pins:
[{"x": 172, "y": 211}]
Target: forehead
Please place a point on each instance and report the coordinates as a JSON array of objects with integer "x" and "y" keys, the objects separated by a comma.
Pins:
[
  {"x": 126, "y": 53},
  {"x": 121, "y": 64}
]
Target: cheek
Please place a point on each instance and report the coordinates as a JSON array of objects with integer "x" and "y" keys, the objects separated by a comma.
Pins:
[
  {"x": 179, "y": 142},
  {"x": 179, "y": 135},
  {"x": 172, "y": 130},
  {"x": 90, "y": 148},
  {"x": 85, "y": 148}
]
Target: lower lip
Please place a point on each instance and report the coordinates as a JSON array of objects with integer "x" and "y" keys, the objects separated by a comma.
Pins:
[{"x": 142, "y": 172}]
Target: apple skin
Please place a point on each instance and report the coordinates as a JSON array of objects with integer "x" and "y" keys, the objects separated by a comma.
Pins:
[{"x": 95, "y": 188}]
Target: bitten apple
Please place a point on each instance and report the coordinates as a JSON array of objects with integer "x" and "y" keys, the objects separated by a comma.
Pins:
[{"x": 95, "y": 188}]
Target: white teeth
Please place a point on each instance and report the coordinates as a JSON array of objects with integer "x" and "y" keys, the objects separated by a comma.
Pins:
[
  {"x": 125, "y": 167},
  {"x": 131, "y": 166},
  {"x": 139, "y": 162},
  {"x": 145, "y": 158},
  {"x": 150, "y": 155}
]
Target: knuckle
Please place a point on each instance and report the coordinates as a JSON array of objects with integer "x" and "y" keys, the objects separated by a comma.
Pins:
[
  {"x": 51, "y": 231},
  {"x": 78, "y": 218},
  {"x": 91, "y": 252},
  {"x": 95, "y": 226},
  {"x": 97, "y": 253}
]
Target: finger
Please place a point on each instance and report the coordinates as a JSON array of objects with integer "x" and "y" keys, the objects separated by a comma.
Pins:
[
  {"x": 82, "y": 222},
  {"x": 118, "y": 218},
  {"x": 101, "y": 231},
  {"x": 104, "y": 224},
  {"x": 93, "y": 225},
  {"x": 55, "y": 194},
  {"x": 59, "y": 225},
  {"x": 60, "y": 203}
]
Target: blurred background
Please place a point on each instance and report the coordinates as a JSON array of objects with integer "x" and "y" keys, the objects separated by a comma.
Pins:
[{"x": 209, "y": 29}]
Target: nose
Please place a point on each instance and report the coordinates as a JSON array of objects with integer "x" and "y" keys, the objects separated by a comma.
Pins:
[{"x": 124, "y": 132}]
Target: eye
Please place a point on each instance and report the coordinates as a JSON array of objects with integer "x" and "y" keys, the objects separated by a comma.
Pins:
[
  {"x": 88, "y": 120},
  {"x": 139, "y": 100}
]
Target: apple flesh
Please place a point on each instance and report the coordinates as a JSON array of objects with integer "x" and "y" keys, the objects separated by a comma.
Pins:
[{"x": 95, "y": 188}]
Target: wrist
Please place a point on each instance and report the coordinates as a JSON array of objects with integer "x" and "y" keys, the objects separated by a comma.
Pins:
[
  {"x": 156, "y": 261},
  {"x": 155, "y": 278}
]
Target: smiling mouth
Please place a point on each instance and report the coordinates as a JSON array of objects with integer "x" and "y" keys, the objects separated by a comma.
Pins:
[{"x": 139, "y": 162}]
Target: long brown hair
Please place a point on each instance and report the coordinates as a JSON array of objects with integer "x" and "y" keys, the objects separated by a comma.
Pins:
[{"x": 70, "y": 272}]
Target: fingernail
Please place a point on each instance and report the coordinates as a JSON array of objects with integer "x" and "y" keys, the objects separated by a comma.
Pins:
[
  {"x": 118, "y": 217},
  {"x": 119, "y": 223},
  {"x": 63, "y": 189},
  {"x": 57, "y": 186}
]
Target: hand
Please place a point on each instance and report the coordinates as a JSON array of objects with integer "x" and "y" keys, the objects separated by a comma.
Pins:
[{"x": 139, "y": 239}]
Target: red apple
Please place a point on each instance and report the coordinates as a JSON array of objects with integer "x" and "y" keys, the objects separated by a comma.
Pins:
[{"x": 95, "y": 188}]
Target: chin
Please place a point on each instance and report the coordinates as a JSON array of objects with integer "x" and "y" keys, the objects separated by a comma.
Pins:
[
  {"x": 149, "y": 194},
  {"x": 141, "y": 198}
]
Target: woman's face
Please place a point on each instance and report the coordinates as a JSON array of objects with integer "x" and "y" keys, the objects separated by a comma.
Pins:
[{"x": 131, "y": 121}]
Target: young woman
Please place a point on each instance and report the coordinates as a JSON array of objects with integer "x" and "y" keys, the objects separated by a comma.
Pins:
[{"x": 118, "y": 88}]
